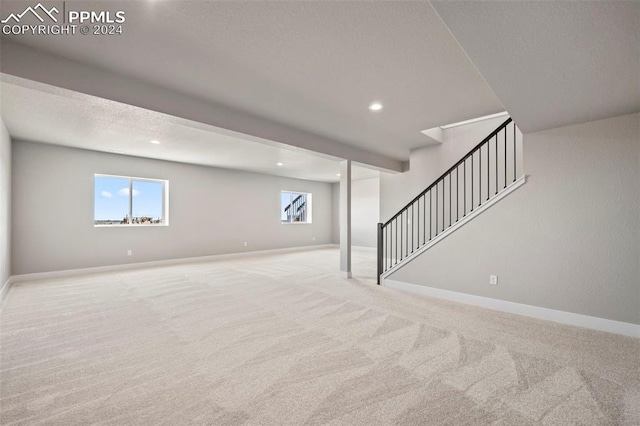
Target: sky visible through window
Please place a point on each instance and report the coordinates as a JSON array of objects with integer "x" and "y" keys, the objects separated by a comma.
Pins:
[
  {"x": 285, "y": 198},
  {"x": 112, "y": 199}
]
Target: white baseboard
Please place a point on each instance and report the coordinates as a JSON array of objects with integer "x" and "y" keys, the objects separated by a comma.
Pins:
[
  {"x": 569, "y": 318},
  {"x": 157, "y": 263},
  {"x": 5, "y": 289}
]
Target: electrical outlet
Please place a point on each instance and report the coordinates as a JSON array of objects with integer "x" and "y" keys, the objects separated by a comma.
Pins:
[
  {"x": 493, "y": 279},
  {"x": 245, "y": 243},
  {"x": 129, "y": 252}
]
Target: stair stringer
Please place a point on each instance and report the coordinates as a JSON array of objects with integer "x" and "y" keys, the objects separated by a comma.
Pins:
[{"x": 456, "y": 226}]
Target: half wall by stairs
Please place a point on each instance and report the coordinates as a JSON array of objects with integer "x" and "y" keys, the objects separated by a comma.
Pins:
[{"x": 483, "y": 176}]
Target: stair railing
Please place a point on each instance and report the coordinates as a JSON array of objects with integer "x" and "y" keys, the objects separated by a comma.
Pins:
[{"x": 479, "y": 176}]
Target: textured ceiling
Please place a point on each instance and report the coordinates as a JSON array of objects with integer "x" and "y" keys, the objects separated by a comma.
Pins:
[
  {"x": 46, "y": 114},
  {"x": 315, "y": 66},
  {"x": 553, "y": 63}
]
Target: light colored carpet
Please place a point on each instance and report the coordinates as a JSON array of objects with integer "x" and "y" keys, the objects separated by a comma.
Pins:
[{"x": 282, "y": 339}]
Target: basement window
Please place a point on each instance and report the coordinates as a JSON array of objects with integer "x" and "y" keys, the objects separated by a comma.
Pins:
[
  {"x": 295, "y": 207},
  {"x": 130, "y": 201}
]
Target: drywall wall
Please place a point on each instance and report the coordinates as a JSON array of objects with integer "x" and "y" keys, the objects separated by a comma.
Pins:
[
  {"x": 5, "y": 203},
  {"x": 365, "y": 212},
  {"x": 567, "y": 240},
  {"x": 212, "y": 211},
  {"x": 428, "y": 163},
  {"x": 335, "y": 213}
]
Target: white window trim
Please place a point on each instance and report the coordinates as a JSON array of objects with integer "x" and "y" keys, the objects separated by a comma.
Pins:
[
  {"x": 165, "y": 201},
  {"x": 309, "y": 211}
]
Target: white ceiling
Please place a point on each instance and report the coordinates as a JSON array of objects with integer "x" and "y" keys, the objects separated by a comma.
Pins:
[
  {"x": 553, "y": 63},
  {"x": 315, "y": 66},
  {"x": 312, "y": 65},
  {"x": 47, "y": 114}
]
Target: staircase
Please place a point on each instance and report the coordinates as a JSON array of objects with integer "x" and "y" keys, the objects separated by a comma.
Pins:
[
  {"x": 296, "y": 211},
  {"x": 478, "y": 180}
]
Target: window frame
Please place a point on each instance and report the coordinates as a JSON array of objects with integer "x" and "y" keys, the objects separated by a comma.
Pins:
[
  {"x": 309, "y": 202},
  {"x": 165, "y": 201}
]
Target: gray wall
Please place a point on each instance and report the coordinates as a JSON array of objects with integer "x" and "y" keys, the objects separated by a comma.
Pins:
[
  {"x": 5, "y": 203},
  {"x": 568, "y": 240},
  {"x": 427, "y": 164},
  {"x": 365, "y": 212},
  {"x": 212, "y": 211},
  {"x": 335, "y": 213}
]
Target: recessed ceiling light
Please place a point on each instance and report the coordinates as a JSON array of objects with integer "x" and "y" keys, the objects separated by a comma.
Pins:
[
  {"x": 279, "y": 164},
  {"x": 155, "y": 142},
  {"x": 338, "y": 174},
  {"x": 376, "y": 106}
]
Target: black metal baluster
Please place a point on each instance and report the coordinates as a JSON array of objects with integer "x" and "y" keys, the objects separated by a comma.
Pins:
[
  {"x": 472, "y": 186},
  {"x": 390, "y": 246},
  {"x": 488, "y": 167},
  {"x": 418, "y": 223},
  {"x": 401, "y": 235},
  {"x": 514, "y": 153},
  {"x": 450, "y": 192},
  {"x": 436, "y": 208},
  {"x": 390, "y": 242},
  {"x": 394, "y": 235},
  {"x": 413, "y": 222},
  {"x": 384, "y": 249},
  {"x": 457, "y": 193},
  {"x": 480, "y": 175},
  {"x": 385, "y": 239},
  {"x": 396, "y": 241},
  {"x": 443, "y": 191},
  {"x": 380, "y": 251},
  {"x": 425, "y": 218},
  {"x": 405, "y": 232},
  {"x": 464, "y": 188},
  {"x": 505, "y": 158},
  {"x": 496, "y": 164},
  {"x": 430, "y": 214}
]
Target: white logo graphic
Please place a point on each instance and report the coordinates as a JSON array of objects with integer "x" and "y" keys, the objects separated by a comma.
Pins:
[{"x": 39, "y": 6}]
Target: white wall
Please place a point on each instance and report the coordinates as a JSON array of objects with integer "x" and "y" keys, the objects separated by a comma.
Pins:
[
  {"x": 365, "y": 212},
  {"x": 5, "y": 203},
  {"x": 567, "y": 240},
  {"x": 335, "y": 213},
  {"x": 212, "y": 211}
]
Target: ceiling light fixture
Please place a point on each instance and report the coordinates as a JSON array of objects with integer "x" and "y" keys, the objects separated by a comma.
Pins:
[
  {"x": 279, "y": 164},
  {"x": 155, "y": 142},
  {"x": 375, "y": 106},
  {"x": 338, "y": 174}
]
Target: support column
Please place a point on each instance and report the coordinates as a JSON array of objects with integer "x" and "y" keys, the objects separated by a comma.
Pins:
[{"x": 345, "y": 218}]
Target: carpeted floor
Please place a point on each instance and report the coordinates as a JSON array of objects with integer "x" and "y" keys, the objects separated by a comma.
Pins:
[{"x": 283, "y": 340}]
